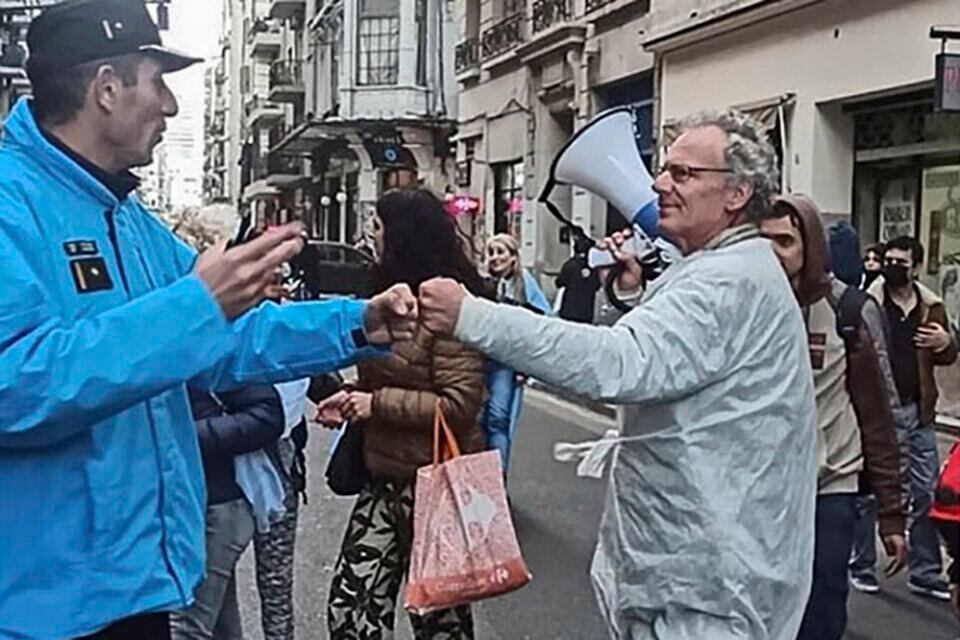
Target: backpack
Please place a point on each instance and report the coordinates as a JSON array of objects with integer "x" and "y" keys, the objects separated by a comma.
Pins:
[
  {"x": 849, "y": 312},
  {"x": 946, "y": 497}
]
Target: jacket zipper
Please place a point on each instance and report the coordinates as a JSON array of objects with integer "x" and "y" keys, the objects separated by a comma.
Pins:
[
  {"x": 161, "y": 504},
  {"x": 109, "y": 214}
]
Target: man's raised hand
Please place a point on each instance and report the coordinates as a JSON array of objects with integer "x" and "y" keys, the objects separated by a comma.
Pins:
[{"x": 238, "y": 278}]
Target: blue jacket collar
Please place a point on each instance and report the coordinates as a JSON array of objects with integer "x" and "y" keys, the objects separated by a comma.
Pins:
[{"x": 21, "y": 130}]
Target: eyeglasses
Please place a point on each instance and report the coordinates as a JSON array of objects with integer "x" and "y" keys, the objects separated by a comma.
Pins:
[{"x": 680, "y": 173}]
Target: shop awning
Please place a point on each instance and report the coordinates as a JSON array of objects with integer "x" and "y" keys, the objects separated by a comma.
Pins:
[{"x": 769, "y": 113}]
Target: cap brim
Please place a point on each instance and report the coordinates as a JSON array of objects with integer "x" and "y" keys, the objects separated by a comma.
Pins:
[{"x": 171, "y": 59}]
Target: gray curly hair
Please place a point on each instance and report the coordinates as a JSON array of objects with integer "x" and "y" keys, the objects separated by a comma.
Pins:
[{"x": 749, "y": 154}]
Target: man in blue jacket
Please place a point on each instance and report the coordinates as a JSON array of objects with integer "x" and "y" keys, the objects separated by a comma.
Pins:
[{"x": 105, "y": 318}]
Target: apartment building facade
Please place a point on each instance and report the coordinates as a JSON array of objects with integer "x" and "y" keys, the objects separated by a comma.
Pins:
[
  {"x": 530, "y": 73},
  {"x": 326, "y": 104}
]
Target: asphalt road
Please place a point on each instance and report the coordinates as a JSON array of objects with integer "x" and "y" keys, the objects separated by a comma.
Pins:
[{"x": 557, "y": 515}]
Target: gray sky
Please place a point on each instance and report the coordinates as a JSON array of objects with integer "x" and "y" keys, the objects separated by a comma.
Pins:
[{"x": 195, "y": 29}]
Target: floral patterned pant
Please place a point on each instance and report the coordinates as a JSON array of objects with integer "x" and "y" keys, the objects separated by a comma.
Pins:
[{"x": 371, "y": 567}]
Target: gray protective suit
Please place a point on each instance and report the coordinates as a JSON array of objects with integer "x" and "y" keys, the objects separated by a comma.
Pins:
[{"x": 709, "y": 522}]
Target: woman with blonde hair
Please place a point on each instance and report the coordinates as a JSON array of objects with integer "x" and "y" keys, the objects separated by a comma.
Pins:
[{"x": 514, "y": 285}]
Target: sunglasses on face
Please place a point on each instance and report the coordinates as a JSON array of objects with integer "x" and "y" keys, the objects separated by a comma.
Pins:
[{"x": 680, "y": 173}]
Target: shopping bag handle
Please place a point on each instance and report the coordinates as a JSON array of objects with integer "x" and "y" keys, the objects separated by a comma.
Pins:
[{"x": 450, "y": 449}]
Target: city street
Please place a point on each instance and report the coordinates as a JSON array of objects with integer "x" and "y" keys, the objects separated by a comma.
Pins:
[{"x": 556, "y": 517}]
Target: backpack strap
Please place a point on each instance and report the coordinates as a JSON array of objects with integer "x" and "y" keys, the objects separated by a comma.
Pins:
[{"x": 849, "y": 312}]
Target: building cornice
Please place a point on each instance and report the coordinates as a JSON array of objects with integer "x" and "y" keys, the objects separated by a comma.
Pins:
[
  {"x": 684, "y": 33},
  {"x": 559, "y": 38}
]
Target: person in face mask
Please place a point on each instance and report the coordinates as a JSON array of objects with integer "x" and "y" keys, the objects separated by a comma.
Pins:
[
  {"x": 919, "y": 341},
  {"x": 872, "y": 264}
]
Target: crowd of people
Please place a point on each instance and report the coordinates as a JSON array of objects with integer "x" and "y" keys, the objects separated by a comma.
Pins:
[{"x": 777, "y": 391}]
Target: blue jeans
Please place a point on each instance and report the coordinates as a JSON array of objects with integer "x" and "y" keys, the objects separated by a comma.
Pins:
[
  {"x": 501, "y": 412},
  {"x": 825, "y": 617},
  {"x": 918, "y": 468}
]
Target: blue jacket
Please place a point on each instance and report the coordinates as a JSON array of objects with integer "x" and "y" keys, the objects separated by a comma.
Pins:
[
  {"x": 535, "y": 296},
  {"x": 101, "y": 324}
]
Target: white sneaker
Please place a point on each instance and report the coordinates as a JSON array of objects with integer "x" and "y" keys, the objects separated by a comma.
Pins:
[{"x": 865, "y": 583}]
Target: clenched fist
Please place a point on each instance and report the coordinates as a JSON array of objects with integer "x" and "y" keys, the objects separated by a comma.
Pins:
[
  {"x": 391, "y": 315},
  {"x": 440, "y": 303}
]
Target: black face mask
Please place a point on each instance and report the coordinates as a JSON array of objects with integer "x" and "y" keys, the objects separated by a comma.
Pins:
[
  {"x": 896, "y": 275},
  {"x": 869, "y": 277}
]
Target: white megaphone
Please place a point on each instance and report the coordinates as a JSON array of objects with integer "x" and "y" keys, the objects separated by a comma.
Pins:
[{"x": 603, "y": 158}]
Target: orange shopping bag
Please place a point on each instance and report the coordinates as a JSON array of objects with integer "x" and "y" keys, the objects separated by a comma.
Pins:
[{"x": 464, "y": 545}]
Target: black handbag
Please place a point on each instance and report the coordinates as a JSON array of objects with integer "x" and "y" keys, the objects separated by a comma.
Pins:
[{"x": 346, "y": 473}]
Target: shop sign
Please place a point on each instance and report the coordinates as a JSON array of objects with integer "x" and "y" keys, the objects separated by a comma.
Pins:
[
  {"x": 897, "y": 210},
  {"x": 462, "y": 205},
  {"x": 947, "y": 96}
]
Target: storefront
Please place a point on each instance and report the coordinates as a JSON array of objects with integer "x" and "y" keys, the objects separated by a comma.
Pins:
[
  {"x": 332, "y": 198},
  {"x": 907, "y": 176}
]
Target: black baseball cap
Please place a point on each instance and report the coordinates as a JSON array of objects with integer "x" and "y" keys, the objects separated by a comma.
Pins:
[{"x": 77, "y": 31}]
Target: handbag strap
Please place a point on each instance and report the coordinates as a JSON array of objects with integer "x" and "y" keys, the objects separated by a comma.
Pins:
[{"x": 450, "y": 449}]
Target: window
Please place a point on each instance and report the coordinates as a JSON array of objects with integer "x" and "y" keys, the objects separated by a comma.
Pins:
[
  {"x": 332, "y": 210},
  {"x": 336, "y": 50},
  {"x": 508, "y": 196},
  {"x": 473, "y": 18},
  {"x": 513, "y": 7},
  {"x": 352, "y": 189},
  {"x": 245, "y": 80},
  {"x": 465, "y": 166},
  {"x": 378, "y": 38},
  {"x": 421, "y": 17},
  {"x": 397, "y": 179},
  {"x": 636, "y": 93}
]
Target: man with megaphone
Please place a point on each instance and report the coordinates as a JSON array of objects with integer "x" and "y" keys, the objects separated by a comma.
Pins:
[{"x": 708, "y": 527}]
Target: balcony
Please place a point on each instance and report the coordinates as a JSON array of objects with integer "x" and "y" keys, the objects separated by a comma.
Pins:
[
  {"x": 467, "y": 55},
  {"x": 287, "y": 9},
  {"x": 264, "y": 39},
  {"x": 286, "y": 80},
  {"x": 503, "y": 36},
  {"x": 261, "y": 112},
  {"x": 547, "y": 13},
  {"x": 593, "y": 5},
  {"x": 277, "y": 170}
]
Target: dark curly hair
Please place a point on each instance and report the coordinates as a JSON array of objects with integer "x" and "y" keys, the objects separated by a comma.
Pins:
[{"x": 420, "y": 242}]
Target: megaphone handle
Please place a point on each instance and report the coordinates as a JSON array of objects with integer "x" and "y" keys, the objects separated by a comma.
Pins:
[{"x": 610, "y": 290}]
